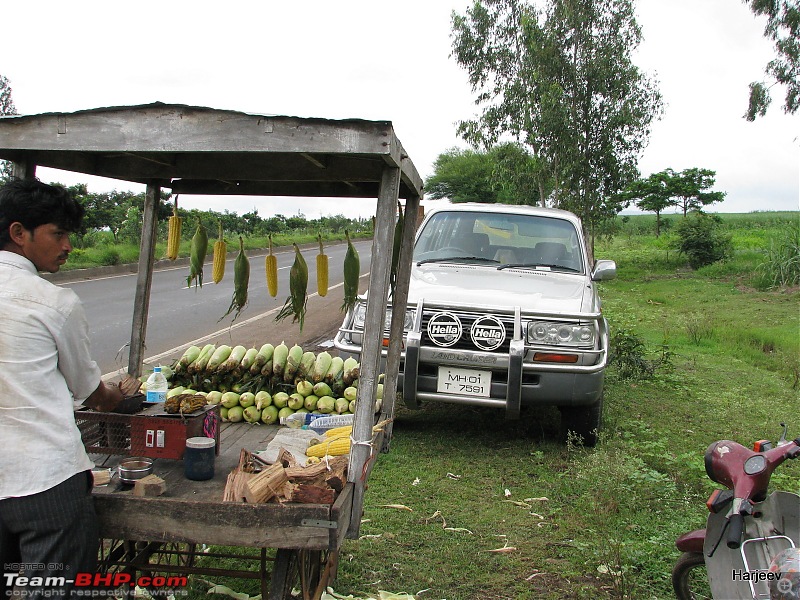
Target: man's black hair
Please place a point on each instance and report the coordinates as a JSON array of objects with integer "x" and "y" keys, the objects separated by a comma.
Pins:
[{"x": 34, "y": 203}]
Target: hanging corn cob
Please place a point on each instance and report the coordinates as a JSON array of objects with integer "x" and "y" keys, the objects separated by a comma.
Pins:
[
  {"x": 295, "y": 304},
  {"x": 198, "y": 255},
  {"x": 398, "y": 239},
  {"x": 174, "y": 226},
  {"x": 352, "y": 270},
  {"x": 220, "y": 253},
  {"x": 241, "y": 279},
  {"x": 271, "y": 267},
  {"x": 322, "y": 270}
]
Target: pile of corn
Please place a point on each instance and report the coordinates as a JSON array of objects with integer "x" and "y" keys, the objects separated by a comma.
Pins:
[{"x": 269, "y": 383}]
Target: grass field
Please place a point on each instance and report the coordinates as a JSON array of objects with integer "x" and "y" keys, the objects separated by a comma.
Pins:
[{"x": 466, "y": 506}]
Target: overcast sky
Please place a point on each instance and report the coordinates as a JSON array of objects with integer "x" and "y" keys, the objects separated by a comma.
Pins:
[{"x": 380, "y": 60}]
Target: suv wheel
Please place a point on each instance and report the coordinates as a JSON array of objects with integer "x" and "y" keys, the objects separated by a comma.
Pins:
[{"x": 582, "y": 422}]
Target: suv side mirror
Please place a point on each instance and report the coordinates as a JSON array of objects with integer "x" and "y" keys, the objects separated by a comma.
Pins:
[{"x": 604, "y": 270}]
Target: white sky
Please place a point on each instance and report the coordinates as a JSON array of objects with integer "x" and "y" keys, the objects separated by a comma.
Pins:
[{"x": 378, "y": 60}]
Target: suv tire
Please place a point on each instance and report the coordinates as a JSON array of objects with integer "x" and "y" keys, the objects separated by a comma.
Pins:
[{"x": 582, "y": 421}]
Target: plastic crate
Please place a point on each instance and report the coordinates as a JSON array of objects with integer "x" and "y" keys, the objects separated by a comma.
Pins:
[{"x": 151, "y": 433}]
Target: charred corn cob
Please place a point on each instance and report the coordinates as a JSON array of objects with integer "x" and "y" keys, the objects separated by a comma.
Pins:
[
  {"x": 241, "y": 279},
  {"x": 322, "y": 270},
  {"x": 295, "y": 304},
  {"x": 271, "y": 267},
  {"x": 174, "y": 226},
  {"x": 184, "y": 403},
  {"x": 220, "y": 253},
  {"x": 198, "y": 255},
  {"x": 352, "y": 269}
]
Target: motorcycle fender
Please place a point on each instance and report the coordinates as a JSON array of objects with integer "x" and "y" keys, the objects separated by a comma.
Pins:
[
  {"x": 729, "y": 577},
  {"x": 691, "y": 541}
]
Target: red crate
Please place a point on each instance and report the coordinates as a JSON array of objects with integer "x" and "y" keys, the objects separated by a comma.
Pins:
[{"x": 151, "y": 433}]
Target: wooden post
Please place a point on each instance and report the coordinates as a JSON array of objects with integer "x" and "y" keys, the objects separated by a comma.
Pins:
[
  {"x": 141, "y": 303},
  {"x": 23, "y": 169},
  {"x": 399, "y": 305},
  {"x": 361, "y": 451}
]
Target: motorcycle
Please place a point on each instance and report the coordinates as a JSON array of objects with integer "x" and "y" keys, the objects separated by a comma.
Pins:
[{"x": 760, "y": 558}]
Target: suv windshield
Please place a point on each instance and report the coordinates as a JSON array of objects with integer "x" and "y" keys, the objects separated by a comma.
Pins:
[{"x": 505, "y": 240}]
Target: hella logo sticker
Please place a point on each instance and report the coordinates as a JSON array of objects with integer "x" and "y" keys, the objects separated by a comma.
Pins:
[
  {"x": 487, "y": 333},
  {"x": 444, "y": 329}
]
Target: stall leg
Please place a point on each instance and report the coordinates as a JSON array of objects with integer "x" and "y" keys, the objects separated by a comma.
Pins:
[{"x": 309, "y": 571}]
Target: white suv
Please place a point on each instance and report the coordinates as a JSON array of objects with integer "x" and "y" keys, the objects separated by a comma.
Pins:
[{"x": 503, "y": 312}]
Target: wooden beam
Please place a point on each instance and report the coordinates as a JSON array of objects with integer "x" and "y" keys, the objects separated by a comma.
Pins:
[
  {"x": 141, "y": 303},
  {"x": 361, "y": 454}
]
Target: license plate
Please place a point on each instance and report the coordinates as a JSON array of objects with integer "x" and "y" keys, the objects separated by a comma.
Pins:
[{"x": 466, "y": 382}]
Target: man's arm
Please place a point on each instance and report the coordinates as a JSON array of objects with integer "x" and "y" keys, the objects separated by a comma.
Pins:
[{"x": 105, "y": 398}]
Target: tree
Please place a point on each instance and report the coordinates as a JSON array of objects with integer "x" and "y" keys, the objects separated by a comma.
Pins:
[
  {"x": 561, "y": 83},
  {"x": 652, "y": 194},
  {"x": 689, "y": 187},
  {"x": 506, "y": 174},
  {"x": 783, "y": 27},
  {"x": 6, "y": 108}
]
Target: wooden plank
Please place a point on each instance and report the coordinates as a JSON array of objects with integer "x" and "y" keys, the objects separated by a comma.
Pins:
[
  {"x": 382, "y": 243},
  {"x": 144, "y": 280}
]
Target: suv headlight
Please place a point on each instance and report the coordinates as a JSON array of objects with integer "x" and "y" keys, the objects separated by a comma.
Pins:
[
  {"x": 360, "y": 316},
  {"x": 560, "y": 334}
]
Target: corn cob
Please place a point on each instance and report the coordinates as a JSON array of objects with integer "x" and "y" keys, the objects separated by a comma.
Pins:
[
  {"x": 295, "y": 304},
  {"x": 266, "y": 370},
  {"x": 235, "y": 358},
  {"x": 293, "y": 360},
  {"x": 322, "y": 270},
  {"x": 306, "y": 364},
  {"x": 174, "y": 226},
  {"x": 348, "y": 429},
  {"x": 352, "y": 270},
  {"x": 220, "y": 253},
  {"x": 247, "y": 360},
  {"x": 336, "y": 368},
  {"x": 264, "y": 354},
  {"x": 198, "y": 255},
  {"x": 398, "y": 239},
  {"x": 241, "y": 279},
  {"x": 333, "y": 446},
  {"x": 191, "y": 402},
  {"x": 279, "y": 357},
  {"x": 199, "y": 365},
  {"x": 271, "y": 267},
  {"x": 321, "y": 366},
  {"x": 351, "y": 371},
  {"x": 220, "y": 355},
  {"x": 189, "y": 356}
]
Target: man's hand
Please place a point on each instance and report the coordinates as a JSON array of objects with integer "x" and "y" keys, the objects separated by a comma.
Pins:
[{"x": 105, "y": 398}]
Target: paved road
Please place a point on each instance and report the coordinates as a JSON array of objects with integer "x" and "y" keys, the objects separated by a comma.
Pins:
[{"x": 180, "y": 317}]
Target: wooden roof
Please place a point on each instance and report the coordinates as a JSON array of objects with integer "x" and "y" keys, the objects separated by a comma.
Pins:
[{"x": 199, "y": 150}]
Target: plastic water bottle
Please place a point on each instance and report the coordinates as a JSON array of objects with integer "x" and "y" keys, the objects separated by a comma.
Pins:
[
  {"x": 157, "y": 386},
  {"x": 299, "y": 420},
  {"x": 325, "y": 422}
]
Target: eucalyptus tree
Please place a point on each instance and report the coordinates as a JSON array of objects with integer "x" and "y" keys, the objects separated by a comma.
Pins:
[
  {"x": 783, "y": 28},
  {"x": 558, "y": 78}
]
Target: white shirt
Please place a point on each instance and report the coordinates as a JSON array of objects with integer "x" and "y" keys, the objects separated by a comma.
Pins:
[{"x": 45, "y": 365}]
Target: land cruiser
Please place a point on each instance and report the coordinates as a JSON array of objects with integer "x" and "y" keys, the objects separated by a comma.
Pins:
[{"x": 503, "y": 312}]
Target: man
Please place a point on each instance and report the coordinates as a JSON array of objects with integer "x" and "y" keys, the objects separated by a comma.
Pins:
[{"x": 47, "y": 521}]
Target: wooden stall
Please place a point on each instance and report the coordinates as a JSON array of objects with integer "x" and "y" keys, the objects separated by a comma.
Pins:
[{"x": 199, "y": 150}]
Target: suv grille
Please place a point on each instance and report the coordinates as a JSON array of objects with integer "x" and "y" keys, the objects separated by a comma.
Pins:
[{"x": 465, "y": 341}]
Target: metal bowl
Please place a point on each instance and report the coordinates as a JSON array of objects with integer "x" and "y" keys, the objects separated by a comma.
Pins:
[{"x": 134, "y": 468}]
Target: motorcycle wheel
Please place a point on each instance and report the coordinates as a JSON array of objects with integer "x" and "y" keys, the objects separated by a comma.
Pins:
[{"x": 690, "y": 577}]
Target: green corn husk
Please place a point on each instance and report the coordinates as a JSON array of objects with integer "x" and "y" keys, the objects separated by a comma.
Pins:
[
  {"x": 197, "y": 256},
  {"x": 336, "y": 369},
  {"x": 306, "y": 364},
  {"x": 235, "y": 358},
  {"x": 247, "y": 360},
  {"x": 189, "y": 356},
  {"x": 292, "y": 363},
  {"x": 279, "y": 357},
  {"x": 220, "y": 355},
  {"x": 205, "y": 355},
  {"x": 295, "y": 304},
  {"x": 321, "y": 366},
  {"x": 351, "y": 371},
  {"x": 264, "y": 354}
]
